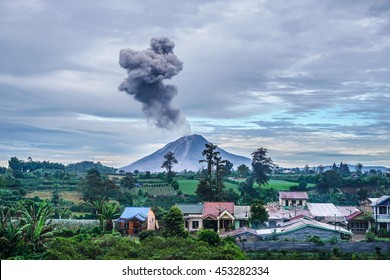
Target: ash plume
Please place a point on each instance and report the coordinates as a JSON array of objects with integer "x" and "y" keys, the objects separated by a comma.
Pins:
[{"x": 146, "y": 71}]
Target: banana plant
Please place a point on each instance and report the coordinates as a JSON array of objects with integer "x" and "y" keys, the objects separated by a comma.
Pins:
[
  {"x": 35, "y": 221},
  {"x": 10, "y": 233}
]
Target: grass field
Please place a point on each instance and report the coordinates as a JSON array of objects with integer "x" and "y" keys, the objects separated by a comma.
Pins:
[
  {"x": 189, "y": 186},
  {"x": 282, "y": 185}
]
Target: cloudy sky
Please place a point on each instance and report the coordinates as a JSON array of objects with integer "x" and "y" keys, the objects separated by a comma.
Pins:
[{"x": 309, "y": 80}]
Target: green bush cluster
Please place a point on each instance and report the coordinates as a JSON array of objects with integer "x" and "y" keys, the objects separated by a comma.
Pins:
[{"x": 113, "y": 247}]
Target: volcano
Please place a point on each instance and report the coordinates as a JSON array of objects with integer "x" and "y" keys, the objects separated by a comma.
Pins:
[{"x": 188, "y": 151}]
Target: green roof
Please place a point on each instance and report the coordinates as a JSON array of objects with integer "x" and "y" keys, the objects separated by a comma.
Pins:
[{"x": 191, "y": 208}]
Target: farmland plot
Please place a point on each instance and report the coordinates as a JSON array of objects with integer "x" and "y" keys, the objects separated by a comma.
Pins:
[{"x": 154, "y": 189}]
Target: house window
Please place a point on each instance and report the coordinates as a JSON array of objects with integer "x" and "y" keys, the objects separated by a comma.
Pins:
[
  {"x": 383, "y": 210},
  {"x": 186, "y": 223},
  {"x": 300, "y": 202},
  {"x": 195, "y": 224}
]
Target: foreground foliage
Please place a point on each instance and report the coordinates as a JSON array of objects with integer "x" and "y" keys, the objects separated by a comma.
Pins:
[
  {"x": 322, "y": 255},
  {"x": 114, "y": 247}
]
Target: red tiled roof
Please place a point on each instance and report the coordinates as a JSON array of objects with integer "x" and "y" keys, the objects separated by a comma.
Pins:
[
  {"x": 216, "y": 208},
  {"x": 293, "y": 195}
]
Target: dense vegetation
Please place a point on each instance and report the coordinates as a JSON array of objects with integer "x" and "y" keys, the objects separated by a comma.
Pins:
[{"x": 33, "y": 192}]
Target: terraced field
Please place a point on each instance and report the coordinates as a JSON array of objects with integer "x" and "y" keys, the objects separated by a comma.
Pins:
[
  {"x": 74, "y": 196},
  {"x": 156, "y": 189}
]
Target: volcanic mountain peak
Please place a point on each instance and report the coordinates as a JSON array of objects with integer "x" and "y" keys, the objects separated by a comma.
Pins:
[{"x": 188, "y": 151}]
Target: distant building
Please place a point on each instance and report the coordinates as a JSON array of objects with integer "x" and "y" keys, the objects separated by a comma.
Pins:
[{"x": 293, "y": 199}]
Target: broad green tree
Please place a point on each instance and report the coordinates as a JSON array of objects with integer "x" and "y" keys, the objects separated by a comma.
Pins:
[
  {"x": 204, "y": 191},
  {"x": 174, "y": 223},
  {"x": 329, "y": 179},
  {"x": 127, "y": 181},
  {"x": 259, "y": 214},
  {"x": 243, "y": 170},
  {"x": 95, "y": 187}
]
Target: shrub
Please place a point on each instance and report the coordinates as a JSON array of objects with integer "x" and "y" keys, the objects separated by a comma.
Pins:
[
  {"x": 147, "y": 233},
  {"x": 209, "y": 236},
  {"x": 370, "y": 236},
  {"x": 315, "y": 239}
]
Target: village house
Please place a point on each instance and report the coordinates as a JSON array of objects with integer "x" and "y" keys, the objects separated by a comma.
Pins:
[
  {"x": 381, "y": 212},
  {"x": 293, "y": 199},
  {"x": 277, "y": 214},
  {"x": 218, "y": 216},
  {"x": 327, "y": 213},
  {"x": 359, "y": 223},
  {"x": 133, "y": 220},
  {"x": 242, "y": 215},
  {"x": 192, "y": 215}
]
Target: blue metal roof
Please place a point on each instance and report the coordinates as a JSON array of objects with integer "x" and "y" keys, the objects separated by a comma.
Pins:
[
  {"x": 380, "y": 200},
  {"x": 141, "y": 213}
]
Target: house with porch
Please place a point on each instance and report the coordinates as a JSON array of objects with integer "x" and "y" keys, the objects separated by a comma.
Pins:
[
  {"x": 359, "y": 223},
  {"x": 381, "y": 212},
  {"x": 218, "y": 216},
  {"x": 133, "y": 220}
]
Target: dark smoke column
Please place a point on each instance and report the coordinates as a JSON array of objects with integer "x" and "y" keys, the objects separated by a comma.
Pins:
[{"x": 146, "y": 71}]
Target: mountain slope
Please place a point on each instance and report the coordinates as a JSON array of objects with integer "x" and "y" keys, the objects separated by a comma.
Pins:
[{"x": 188, "y": 152}]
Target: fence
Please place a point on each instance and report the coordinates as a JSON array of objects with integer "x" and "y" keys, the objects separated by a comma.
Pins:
[
  {"x": 74, "y": 223},
  {"x": 358, "y": 247}
]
